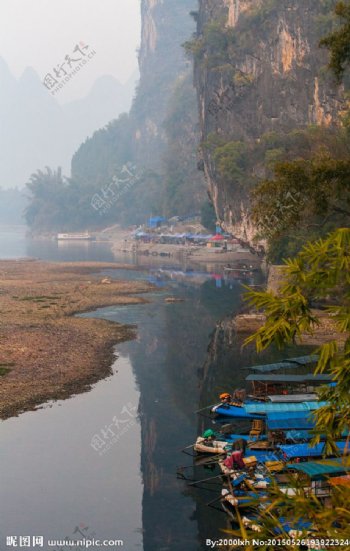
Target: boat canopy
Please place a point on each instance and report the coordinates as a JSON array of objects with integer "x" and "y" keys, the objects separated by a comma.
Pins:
[
  {"x": 304, "y": 450},
  {"x": 264, "y": 408},
  {"x": 289, "y": 421},
  {"x": 289, "y": 363},
  {"x": 307, "y": 378},
  {"x": 303, "y": 360},
  {"x": 295, "y": 434},
  {"x": 272, "y": 367},
  {"x": 292, "y": 398},
  {"x": 318, "y": 470},
  {"x": 295, "y": 423}
]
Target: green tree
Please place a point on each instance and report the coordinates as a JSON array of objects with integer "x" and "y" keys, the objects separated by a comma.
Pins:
[
  {"x": 45, "y": 208},
  {"x": 338, "y": 42},
  {"x": 309, "y": 194}
]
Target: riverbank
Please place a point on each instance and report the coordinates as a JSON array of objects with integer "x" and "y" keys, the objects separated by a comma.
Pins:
[
  {"x": 190, "y": 253},
  {"x": 45, "y": 352},
  {"x": 251, "y": 322}
]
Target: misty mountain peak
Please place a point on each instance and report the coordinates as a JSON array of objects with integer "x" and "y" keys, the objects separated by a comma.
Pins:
[
  {"x": 8, "y": 81},
  {"x": 30, "y": 77}
]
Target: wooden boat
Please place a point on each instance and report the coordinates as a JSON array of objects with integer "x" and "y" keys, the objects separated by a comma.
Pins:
[
  {"x": 291, "y": 452},
  {"x": 314, "y": 478},
  {"x": 240, "y": 499},
  {"x": 213, "y": 447},
  {"x": 265, "y": 450}
]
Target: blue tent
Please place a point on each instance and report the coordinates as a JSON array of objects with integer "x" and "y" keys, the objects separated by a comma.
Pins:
[{"x": 156, "y": 221}]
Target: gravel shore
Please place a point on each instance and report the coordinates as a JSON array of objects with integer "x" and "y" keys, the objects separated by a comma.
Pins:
[{"x": 47, "y": 353}]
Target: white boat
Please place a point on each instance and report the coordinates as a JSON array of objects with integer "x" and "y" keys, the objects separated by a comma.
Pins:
[{"x": 75, "y": 236}]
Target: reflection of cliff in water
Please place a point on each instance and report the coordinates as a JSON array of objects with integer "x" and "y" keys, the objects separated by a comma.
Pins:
[
  {"x": 224, "y": 370},
  {"x": 167, "y": 358},
  {"x": 226, "y": 358}
]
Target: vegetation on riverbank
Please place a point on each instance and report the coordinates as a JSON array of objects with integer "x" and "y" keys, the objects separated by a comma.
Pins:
[
  {"x": 45, "y": 352},
  {"x": 320, "y": 272}
]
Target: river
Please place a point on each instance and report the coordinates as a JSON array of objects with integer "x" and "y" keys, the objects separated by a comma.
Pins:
[{"x": 103, "y": 464}]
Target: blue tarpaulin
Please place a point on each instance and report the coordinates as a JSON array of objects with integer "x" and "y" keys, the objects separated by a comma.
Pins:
[
  {"x": 290, "y": 422},
  {"x": 318, "y": 470},
  {"x": 269, "y": 408},
  {"x": 304, "y": 450},
  {"x": 156, "y": 221}
]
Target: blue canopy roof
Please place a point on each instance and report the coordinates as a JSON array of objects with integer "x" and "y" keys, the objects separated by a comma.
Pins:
[
  {"x": 288, "y": 363},
  {"x": 154, "y": 221},
  {"x": 304, "y": 450},
  {"x": 299, "y": 434},
  {"x": 292, "y": 420},
  {"x": 307, "y": 378},
  {"x": 318, "y": 470},
  {"x": 303, "y": 360},
  {"x": 266, "y": 407},
  {"x": 280, "y": 415}
]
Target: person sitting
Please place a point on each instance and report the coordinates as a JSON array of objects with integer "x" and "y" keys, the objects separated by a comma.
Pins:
[
  {"x": 239, "y": 445},
  {"x": 225, "y": 398},
  {"x": 239, "y": 395},
  {"x": 208, "y": 444},
  {"x": 235, "y": 460},
  {"x": 226, "y": 401}
]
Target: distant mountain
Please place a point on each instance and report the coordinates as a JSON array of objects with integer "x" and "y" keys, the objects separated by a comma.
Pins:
[{"x": 35, "y": 130}]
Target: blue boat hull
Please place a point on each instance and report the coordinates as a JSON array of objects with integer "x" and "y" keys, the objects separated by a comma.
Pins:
[{"x": 237, "y": 413}]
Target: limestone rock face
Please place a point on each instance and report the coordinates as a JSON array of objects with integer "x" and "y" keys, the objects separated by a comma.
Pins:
[
  {"x": 166, "y": 25},
  {"x": 275, "y": 79}
]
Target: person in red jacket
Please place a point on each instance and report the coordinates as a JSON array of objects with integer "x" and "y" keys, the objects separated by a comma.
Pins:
[{"x": 235, "y": 460}]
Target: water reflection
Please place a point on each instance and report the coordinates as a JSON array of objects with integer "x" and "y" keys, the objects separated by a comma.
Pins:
[
  {"x": 53, "y": 481},
  {"x": 184, "y": 354},
  {"x": 168, "y": 358}
]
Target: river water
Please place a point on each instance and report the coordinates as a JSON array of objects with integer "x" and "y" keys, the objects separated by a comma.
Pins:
[{"x": 103, "y": 464}]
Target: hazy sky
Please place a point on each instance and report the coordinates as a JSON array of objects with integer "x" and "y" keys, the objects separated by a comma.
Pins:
[{"x": 40, "y": 33}]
